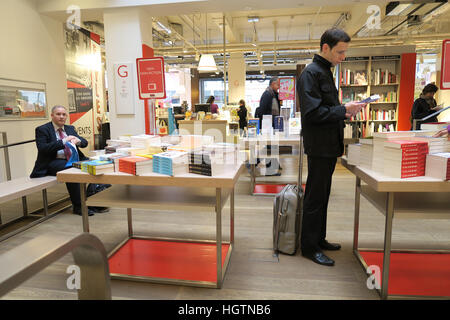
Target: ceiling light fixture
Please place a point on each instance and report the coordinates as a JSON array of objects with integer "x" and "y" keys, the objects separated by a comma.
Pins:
[
  {"x": 207, "y": 62},
  {"x": 253, "y": 19}
]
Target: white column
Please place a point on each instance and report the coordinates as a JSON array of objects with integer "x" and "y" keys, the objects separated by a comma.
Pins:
[
  {"x": 125, "y": 32},
  {"x": 236, "y": 77}
]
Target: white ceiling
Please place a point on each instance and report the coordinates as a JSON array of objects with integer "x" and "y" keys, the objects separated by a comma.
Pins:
[{"x": 284, "y": 26}]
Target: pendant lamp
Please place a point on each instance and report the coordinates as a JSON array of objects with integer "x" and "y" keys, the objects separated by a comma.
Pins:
[{"x": 207, "y": 62}]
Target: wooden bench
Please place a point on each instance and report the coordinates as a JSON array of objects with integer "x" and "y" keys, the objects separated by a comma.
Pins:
[{"x": 22, "y": 187}]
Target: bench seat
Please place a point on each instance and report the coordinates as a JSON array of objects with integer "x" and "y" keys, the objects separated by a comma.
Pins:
[{"x": 17, "y": 188}]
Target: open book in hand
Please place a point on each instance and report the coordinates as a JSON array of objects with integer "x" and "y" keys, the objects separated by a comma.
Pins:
[{"x": 371, "y": 99}]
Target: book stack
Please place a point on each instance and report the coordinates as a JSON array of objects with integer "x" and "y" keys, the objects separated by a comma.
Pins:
[
  {"x": 135, "y": 165},
  {"x": 405, "y": 158},
  {"x": 79, "y": 164},
  {"x": 114, "y": 157},
  {"x": 191, "y": 142},
  {"x": 438, "y": 166},
  {"x": 253, "y": 127},
  {"x": 143, "y": 141},
  {"x": 379, "y": 138},
  {"x": 222, "y": 153},
  {"x": 200, "y": 163},
  {"x": 131, "y": 151},
  {"x": 171, "y": 163},
  {"x": 365, "y": 158},
  {"x": 97, "y": 167},
  {"x": 435, "y": 145},
  {"x": 353, "y": 157},
  {"x": 118, "y": 143},
  {"x": 435, "y": 126}
]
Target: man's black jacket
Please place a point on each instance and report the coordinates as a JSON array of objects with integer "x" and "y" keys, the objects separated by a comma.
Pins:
[
  {"x": 265, "y": 104},
  {"x": 321, "y": 112},
  {"x": 48, "y": 145}
]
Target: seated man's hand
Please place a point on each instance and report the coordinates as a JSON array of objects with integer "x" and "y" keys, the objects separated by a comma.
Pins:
[{"x": 73, "y": 139}]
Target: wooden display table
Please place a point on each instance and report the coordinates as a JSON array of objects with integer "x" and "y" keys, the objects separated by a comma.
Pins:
[
  {"x": 257, "y": 149},
  {"x": 419, "y": 197},
  {"x": 165, "y": 260}
]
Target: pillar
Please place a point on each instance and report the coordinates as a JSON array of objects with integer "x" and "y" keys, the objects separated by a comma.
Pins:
[
  {"x": 126, "y": 30},
  {"x": 236, "y": 77}
]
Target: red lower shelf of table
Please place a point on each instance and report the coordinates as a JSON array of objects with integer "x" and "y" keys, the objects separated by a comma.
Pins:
[
  {"x": 269, "y": 188},
  {"x": 415, "y": 274},
  {"x": 167, "y": 259}
]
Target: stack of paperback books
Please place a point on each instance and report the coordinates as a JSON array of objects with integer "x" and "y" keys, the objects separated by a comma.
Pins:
[
  {"x": 143, "y": 141},
  {"x": 171, "y": 163},
  {"x": 223, "y": 153},
  {"x": 200, "y": 163},
  {"x": 135, "y": 165},
  {"x": 95, "y": 167},
  {"x": 405, "y": 158},
  {"x": 435, "y": 145},
  {"x": 365, "y": 157},
  {"x": 438, "y": 166},
  {"x": 114, "y": 157},
  {"x": 353, "y": 156},
  {"x": 379, "y": 138}
]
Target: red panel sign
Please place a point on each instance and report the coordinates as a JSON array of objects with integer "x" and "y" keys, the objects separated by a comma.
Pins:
[
  {"x": 151, "y": 80},
  {"x": 445, "y": 65}
]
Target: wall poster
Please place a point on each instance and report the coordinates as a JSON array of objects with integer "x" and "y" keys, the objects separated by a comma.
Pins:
[{"x": 85, "y": 87}]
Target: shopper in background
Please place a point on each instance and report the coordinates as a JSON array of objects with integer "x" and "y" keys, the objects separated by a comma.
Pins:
[
  {"x": 425, "y": 105},
  {"x": 322, "y": 118},
  {"x": 269, "y": 104},
  {"x": 214, "y": 107},
  {"x": 242, "y": 114}
]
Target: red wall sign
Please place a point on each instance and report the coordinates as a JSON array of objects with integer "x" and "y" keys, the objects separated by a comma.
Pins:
[
  {"x": 151, "y": 80},
  {"x": 445, "y": 65}
]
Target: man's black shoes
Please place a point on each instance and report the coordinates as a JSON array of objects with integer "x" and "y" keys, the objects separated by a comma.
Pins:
[
  {"x": 77, "y": 211},
  {"x": 320, "y": 258},
  {"x": 100, "y": 209},
  {"x": 325, "y": 245}
]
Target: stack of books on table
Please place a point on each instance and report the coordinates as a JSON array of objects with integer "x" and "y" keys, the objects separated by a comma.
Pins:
[
  {"x": 435, "y": 145},
  {"x": 96, "y": 167},
  {"x": 132, "y": 151},
  {"x": 438, "y": 166},
  {"x": 171, "y": 163},
  {"x": 191, "y": 142},
  {"x": 405, "y": 158},
  {"x": 379, "y": 138},
  {"x": 223, "y": 153},
  {"x": 143, "y": 141},
  {"x": 135, "y": 165},
  {"x": 200, "y": 163},
  {"x": 114, "y": 157},
  {"x": 366, "y": 153},
  {"x": 353, "y": 156},
  {"x": 435, "y": 126}
]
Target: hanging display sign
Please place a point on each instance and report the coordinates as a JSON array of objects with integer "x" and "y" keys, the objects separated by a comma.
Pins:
[
  {"x": 445, "y": 65},
  {"x": 151, "y": 79},
  {"x": 287, "y": 89}
]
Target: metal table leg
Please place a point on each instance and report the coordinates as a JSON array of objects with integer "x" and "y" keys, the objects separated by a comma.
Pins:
[
  {"x": 387, "y": 244},
  {"x": 219, "y": 236},
  {"x": 356, "y": 219},
  {"x": 25, "y": 206},
  {"x": 45, "y": 201},
  {"x": 84, "y": 209},
  {"x": 130, "y": 223}
]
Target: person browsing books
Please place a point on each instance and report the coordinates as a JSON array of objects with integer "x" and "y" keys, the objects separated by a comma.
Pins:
[
  {"x": 322, "y": 117},
  {"x": 424, "y": 106},
  {"x": 214, "y": 107},
  {"x": 54, "y": 152},
  {"x": 242, "y": 114}
]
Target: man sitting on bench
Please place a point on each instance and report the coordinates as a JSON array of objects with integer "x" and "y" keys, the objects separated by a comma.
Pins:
[{"x": 54, "y": 153}]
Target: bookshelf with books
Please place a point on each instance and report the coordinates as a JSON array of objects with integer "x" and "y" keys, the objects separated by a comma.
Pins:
[{"x": 361, "y": 77}]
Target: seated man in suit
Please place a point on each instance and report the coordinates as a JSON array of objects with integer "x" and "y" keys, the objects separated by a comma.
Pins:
[{"x": 53, "y": 153}]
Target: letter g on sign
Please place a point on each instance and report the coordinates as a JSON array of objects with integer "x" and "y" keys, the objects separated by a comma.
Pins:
[{"x": 122, "y": 71}]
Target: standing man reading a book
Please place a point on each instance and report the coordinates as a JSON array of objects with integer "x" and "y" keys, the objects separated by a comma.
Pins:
[
  {"x": 322, "y": 117},
  {"x": 52, "y": 141}
]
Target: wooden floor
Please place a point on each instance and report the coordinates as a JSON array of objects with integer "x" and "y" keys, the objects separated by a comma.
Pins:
[{"x": 253, "y": 273}]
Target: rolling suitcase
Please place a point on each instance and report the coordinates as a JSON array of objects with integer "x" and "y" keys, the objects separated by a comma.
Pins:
[{"x": 287, "y": 212}]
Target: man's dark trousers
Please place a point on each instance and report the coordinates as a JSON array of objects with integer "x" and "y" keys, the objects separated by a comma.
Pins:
[
  {"x": 315, "y": 203},
  {"x": 73, "y": 188}
]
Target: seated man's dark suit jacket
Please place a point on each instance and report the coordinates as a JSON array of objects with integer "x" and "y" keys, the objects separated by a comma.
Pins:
[{"x": 48, "y": 145}]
